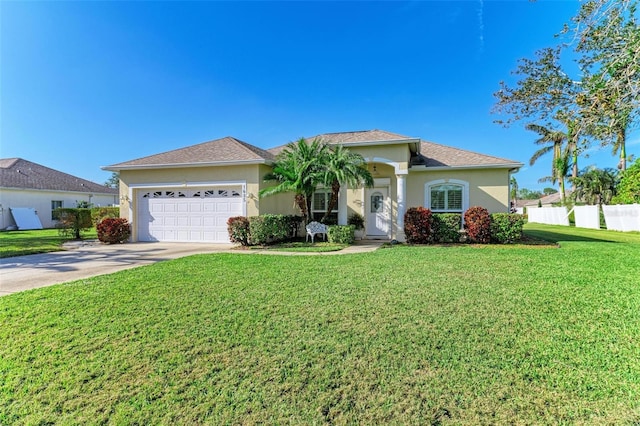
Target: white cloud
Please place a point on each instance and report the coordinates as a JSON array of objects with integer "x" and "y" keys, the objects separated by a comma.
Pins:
[{"x": 481, "y": 24}]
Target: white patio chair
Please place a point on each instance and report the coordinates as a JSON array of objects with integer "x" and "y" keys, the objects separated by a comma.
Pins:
[{"x": 314, "y": 228}]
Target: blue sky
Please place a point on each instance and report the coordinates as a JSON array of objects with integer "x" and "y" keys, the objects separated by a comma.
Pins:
[{"x": 88, "y": 84}]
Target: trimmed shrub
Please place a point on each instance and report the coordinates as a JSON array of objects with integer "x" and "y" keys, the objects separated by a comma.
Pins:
[
  {"x": 113, "y": 230},
  {"x": 357, "y": 220},
  {"x": 417, "y": 225},
  {"x": 477, "y": 223},
  {"x": 99, "y": 213},
  {"x": 445, "y": 227},
  {"x": 71, "y": 221},
  {"x": 506, "y": 227},
  {"x": 294, "y": 223},
  {"x": 268, "y": 228},
  {"x": 238, "y": 228},
  {"x": 341, "y": 234}
]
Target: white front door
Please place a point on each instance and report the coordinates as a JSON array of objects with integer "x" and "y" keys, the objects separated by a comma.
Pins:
[{"x": 378, "y": 212}]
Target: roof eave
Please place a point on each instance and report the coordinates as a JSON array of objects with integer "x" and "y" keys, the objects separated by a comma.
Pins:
[
  {"x": 15, "y": 188},
  {"x": 414, "y": 141},
  {"x": 510, "y": 166},
  {"x": 117, "y": 168}
]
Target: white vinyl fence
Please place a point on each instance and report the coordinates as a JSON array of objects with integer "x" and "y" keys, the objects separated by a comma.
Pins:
[
  {"x": 548, "y": 215},
  {"x": 587, "y": 216},
  {"x": 622, "y": 217},
  {"x": 618, "y": 218}
]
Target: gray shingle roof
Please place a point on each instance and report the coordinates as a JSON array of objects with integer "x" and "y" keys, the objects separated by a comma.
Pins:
[
  {"x": 229, "y": 150},
  {"x": 224, "y": 150},
  {"x": 23, "y": 174},
  {"x": 436, "y": 155},
  {"x": 350, "y": 137}
]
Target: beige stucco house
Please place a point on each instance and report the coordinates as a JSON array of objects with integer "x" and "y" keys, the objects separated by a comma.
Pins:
[{"x": 189, "y": 193}]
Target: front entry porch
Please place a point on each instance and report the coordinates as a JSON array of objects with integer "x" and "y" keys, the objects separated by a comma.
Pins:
[{"x": 383, "y": 206}]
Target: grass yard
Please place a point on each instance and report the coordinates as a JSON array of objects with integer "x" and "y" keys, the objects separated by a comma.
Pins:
[
  {"x": 404, "y": 335},
  {"x": 300, "y": 246},
  {"x": 19, "y": 243}
]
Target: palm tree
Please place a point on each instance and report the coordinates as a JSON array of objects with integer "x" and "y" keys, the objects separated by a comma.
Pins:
[
  {"x": 573, "y": 136},
  {"x": 555, "y": 142},
  {"x": 513, "y": 191},
  {"x": 343, "y": 167},
  {"x": 298, "y": 169},
  {"x": 595, "y": 186}
]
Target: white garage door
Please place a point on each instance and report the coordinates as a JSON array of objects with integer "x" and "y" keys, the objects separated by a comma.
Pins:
[{"x": 195, "y": 215}]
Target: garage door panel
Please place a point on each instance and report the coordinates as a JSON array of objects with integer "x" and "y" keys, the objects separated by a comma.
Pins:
[
  {"x": 156, "y": 207},
  {"x": 188, "y": 215}
]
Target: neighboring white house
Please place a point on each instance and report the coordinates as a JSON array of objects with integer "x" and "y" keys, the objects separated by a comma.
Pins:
[{"x": 24, "y": 184}]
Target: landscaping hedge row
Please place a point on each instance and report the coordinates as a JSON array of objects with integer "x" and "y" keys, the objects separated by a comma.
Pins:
[
  {"x": 421, "y": 226},
  {"x": 265, "y": 229},
  {"x": 341, "y": 234},
  {"x": 274, "y": 228}
]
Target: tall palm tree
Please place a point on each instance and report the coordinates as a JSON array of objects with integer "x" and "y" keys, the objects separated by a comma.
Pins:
[
  {"x": 555, "y": 142},
  {"x": 513, "y": 192},
  {"x": 595, "y": 186},
  {"x": 298, "y": 169},
  {"x": 343, "y": 167},
  {"x": 573, "y": 136}
]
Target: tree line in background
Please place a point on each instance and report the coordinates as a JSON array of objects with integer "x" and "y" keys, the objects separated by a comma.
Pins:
[
  {"x": 582, "y": 92},
  {"x": 593, "y": 186}
]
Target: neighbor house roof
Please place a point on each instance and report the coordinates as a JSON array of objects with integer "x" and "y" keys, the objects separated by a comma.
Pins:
[
  {"x": 17, "y": 173},
  {"x": 435, "y": 155},
  {"x": 227, "y": 150},
  {"x": 546, "y": 200}
]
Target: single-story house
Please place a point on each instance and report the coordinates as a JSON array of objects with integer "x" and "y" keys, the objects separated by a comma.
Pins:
[
  {"x": 24, "y": 184},
  {"x": 545, "y": 201},
  {"x": 189, "y": 193}
]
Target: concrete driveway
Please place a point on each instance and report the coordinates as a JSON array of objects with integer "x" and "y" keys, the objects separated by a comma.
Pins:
[{"x": 88, "y": 260}]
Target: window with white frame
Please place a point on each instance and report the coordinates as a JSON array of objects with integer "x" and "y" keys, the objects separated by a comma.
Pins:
[
  {"x": 319, "y": 205},
  {"x": 447, "y": 196}
]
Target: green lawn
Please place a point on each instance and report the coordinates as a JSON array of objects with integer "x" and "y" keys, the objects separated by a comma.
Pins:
[
  {"x": 305, "y": 247},
  {"x": 404, "y": 335},
  {"x": 19, "y": 243}
]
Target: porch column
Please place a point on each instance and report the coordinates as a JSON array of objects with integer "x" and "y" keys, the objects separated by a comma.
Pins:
[
  {"x": 342, "y": 205},
  {"x": 401, "y": 191}
]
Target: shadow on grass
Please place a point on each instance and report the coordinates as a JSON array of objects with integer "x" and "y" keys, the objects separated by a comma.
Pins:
[{"x": 555, "y": 236}]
